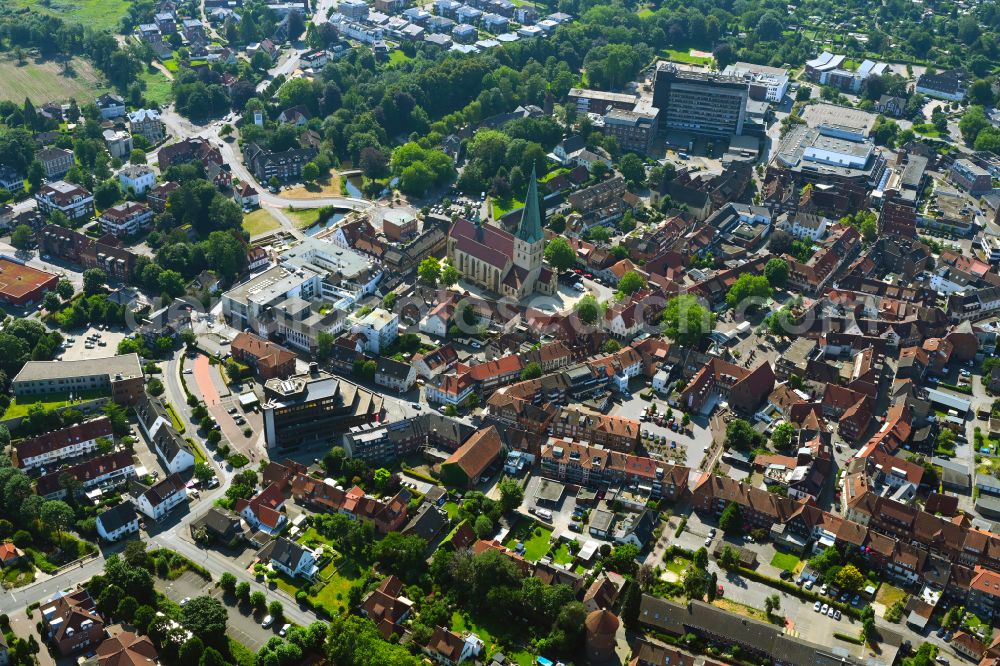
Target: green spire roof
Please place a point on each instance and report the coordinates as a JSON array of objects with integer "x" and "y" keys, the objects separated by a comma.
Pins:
[{"x": 530, "y": 229}]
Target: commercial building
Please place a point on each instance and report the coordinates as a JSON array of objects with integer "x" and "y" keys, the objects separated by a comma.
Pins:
[
  {"x": 599, "y": 101},
  {"x": 21, "y": 284},
  {"x": 709, "y": 104},
  {"x": 72, "y": 200},
  {"x": 634, "y": 129},
  {"x": 121, "y": 376},
  {"x": 767, "y": 84},
  {"x": 313, "y": 407}
]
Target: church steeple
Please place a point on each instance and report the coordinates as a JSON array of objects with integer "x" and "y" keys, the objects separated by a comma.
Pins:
[{"x": 530, "y": 228}]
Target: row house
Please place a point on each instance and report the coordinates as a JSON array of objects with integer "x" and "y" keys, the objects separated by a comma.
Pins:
[
  {"x": 51, "y": 448},
  {"x": 105, "y": 253},
  {"x": 612, "y": 432},
  {"x": 595, "y": 467},
  {"x": 102, "y": 471}
]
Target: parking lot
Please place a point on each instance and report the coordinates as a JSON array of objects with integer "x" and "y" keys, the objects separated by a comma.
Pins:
[
  {"x": 244, "y": 628},
  {"x": 692, "y": 443},
  {"x": 89, "y": 343}
]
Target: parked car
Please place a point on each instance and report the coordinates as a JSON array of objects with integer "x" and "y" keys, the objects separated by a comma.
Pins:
[
  {"x": 267, "y": 621},
  {"x": 816, "y": 606},
  {"x": 836, "y": 615},
  {"x": 284, "y": 629}
]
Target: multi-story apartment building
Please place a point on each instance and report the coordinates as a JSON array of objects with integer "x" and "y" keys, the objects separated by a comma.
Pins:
[
  {"x": 708, "y": 104},
  {"x": 125, "y": 219},
  {"x": 81, "y": 249},
  {"x": 72, "y": 200},
  {"x": 55, "y": 161},
  {"x": 137, "y": 177},
  {"x": 146, "y": 123},
  {"x": 286, "y": 165},
  {"x": 971, "y": 177},
  {"x": 157, "y": 501},
  {"x": 50, "y": 448},
  {"x": 72, "y": 622}
]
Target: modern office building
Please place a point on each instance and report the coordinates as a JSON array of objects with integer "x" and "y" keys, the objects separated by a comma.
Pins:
[
  {"x": 314, "y": 407},
  {"x": 704, "y": 103}
]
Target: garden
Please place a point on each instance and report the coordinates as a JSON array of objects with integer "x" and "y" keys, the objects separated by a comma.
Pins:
[{"x": 530, "y": 539}]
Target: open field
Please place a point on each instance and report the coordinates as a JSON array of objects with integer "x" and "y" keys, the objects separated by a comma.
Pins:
[
  {"x": 258, "y": 222},
  {"x": 328, "y": 187},
  {"x": 157, "y": 87},
  {"x": 97, "y": 14},
  {"x": 685, "y": 57},
  {"x": 45, "y": 82}
]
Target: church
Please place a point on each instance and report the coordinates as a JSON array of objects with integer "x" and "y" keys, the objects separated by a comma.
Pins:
[{"x": 509, "y": 265}]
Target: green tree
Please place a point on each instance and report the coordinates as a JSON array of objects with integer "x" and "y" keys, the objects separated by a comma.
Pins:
[
  {"x": 747, "y": 287},
  {"x": 560, "y": 254},
  {"x": 776, "y": 272},
  {"x": 849, "y": 578},
  {"x": 310, "y": 172},
  {"x": 622, "y": 559},
  {"x": 511, "y": 494},
  {"x": 65, "y": 289},
  {"x": 449, "y": 274},
  {"x": 772, "y": 603},
  {"x": 731, "y": 522},
  {"x": 740, "y": 435},
  {"x": 402, "y": 555},
  {"x": 531, "y": 370},
  {"x": 21, "y": 237},
  {"x": 632, "y": 168},
  {"x": 973, "y": 122},
  {"x": 781, "y": 437},
  {"x": 227, "y": 581},
  {"x": 588, "y": 309},
  {"x": 631, "y": 282},
  {"x": 94, "y": 280},
  {"x": 206, "y": 618},
  {"x": 50, "y": 301},
  {"x": 687, "y": 321},
  {"x": 429, "y": 271},
  {"x": 57, "y": 516}
]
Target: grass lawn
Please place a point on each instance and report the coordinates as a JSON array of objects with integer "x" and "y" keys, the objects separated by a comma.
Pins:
[
  {"x": 170, "y": 64},
  {"x": 927, "y": 129},
  {"x": 740, "y": 609},
  {"x": 175, "y": 419},
  {"x": 503, "y": 206},
  {"x": 451, "y": 508},
  {"x": 333, "y": 595},
  {"x": 157, "y": 87},
  {"x": 258, "y": 222},
  {"x": 328, "y": 186},
  {"x": 561, "y": 555},
  {"x": 47, "y": 82},
  {"x": 398, "y": 57},
  {"x": 552, "y": 174},
  {"x": 889, "y": 594},
  {"x": 304, "y": 218},
  {"x": 534, "y": 536},
  {"x": 97, "y": 14},
  {"x": 18, "y": 575},
  {"x": 785, "y": 561},
  {"x": 685, "y": 56},
  {"x": 54, "y": 401},
  {"x": 678, "y": 565}
]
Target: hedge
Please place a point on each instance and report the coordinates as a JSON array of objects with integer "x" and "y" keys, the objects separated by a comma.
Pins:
[
  {"x": 680, "y": 528},
  {"x": 847, "y": 638}
]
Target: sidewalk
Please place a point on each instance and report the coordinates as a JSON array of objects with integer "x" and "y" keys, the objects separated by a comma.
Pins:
[{"x": 23, "y": 626}]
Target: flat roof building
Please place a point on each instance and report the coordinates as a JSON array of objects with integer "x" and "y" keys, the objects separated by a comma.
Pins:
[
  {"x": 21, "y": 284},
  {"x": 120, "y": 375},
  {"x": 710, "y": 104}
]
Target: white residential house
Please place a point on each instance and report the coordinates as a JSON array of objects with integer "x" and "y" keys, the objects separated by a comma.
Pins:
[
  {"x": 173, "y": 450},
  {"x": 137, "y": 177},
  {"x": 396, "y": 375},
  {"x": 157, "y": 501},
  {"x": 111, "y": 106},
  {"x": 379, "y": 327},
  {"x": 117, "y": 522},
  {"x": 119, "y": 143},
  {"x": 435, "y": 323},
  {"x": 808, "y": 225},
  {"x": 292, "y": 558}
]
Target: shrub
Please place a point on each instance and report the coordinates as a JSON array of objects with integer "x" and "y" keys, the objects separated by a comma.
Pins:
[{"x": 680, "y": 528}]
